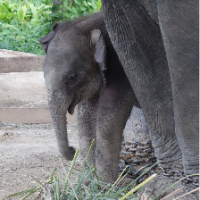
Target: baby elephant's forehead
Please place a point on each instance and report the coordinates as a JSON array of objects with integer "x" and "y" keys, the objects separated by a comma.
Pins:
[
  {"x": 59, "y": 47},
  {"x": 68, "y": 41},
  {"x": 74, "y": 35}
]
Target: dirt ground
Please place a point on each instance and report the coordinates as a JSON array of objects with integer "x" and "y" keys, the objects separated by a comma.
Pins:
[{"x": 29, "y": 149}]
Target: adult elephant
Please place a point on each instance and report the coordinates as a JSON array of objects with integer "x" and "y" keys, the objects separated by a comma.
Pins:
[{"x": 157, "y": 44}]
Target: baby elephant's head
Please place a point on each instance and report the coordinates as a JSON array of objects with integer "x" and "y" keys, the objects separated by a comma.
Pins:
[{"x": 74, "y": 64}]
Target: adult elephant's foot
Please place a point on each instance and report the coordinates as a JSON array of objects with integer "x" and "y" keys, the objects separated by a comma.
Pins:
[
  {"x": 167, "y": 152},
  {"x": 157, "y": 189},
  {"x": 171, "y": 165}
]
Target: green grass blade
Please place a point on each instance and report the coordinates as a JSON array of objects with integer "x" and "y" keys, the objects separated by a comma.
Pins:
[
  {"x": 21, "y": 13},
  {"x": 72, "y": 188},
  {"x": 34, "y": 11},
  {"x": 5, "y": 7},
  {"x": 84, "y": 162},
  {"x": 69, "y": 174},
  {"x": 115, "y": 182},
  {"x": 56, "y": 188},
  {"x": 98, "y": 194},
  {"x": 135, "y": 180},
  {"x": 19, "y": 193},
  {"x": 52, "y": 176},
  {"x": 196, "y": 189},
  {"x": 83, "y": 178},
  {"x": 174, "y": 184},
  {"x": 36, "y": 180},
  {"x": 31, "y": 192},
  {"x": 138, "y": 186},
  {"x": 38, "y": 195}
]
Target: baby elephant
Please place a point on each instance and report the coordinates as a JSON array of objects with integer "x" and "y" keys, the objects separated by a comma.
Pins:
[{"x": 82, "y": 67}]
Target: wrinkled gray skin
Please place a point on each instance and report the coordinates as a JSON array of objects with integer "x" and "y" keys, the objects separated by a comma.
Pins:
[
  {"x": 157, "y": 44},
  {"x": 81, "y": 67}
]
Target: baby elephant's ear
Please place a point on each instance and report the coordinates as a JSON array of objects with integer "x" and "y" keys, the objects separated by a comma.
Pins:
[
  {"x": 98, "y": 44},
  {"x": 47, "y": 39}
]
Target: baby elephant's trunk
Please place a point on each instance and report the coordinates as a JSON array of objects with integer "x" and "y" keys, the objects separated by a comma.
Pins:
[{"x": 58, "y": 107}]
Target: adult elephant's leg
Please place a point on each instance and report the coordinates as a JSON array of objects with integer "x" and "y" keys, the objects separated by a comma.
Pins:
[
  {"x": 87, "y": 128},
  {"x": 179, "y": 22},
  {"x": 138, "y": 43}
]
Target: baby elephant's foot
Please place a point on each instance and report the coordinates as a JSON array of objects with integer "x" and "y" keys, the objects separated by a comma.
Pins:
[{"x": 107, "y": 173}]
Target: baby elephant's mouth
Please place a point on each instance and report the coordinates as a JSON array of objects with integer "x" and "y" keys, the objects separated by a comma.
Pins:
[
  {"x": 72, "y": 106},
  {"x": 71, "y": 109}
]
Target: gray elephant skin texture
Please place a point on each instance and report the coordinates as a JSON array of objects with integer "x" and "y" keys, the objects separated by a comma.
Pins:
[
  {"x": 81, "y": 67},
  {"x": 157, "y": 44}
]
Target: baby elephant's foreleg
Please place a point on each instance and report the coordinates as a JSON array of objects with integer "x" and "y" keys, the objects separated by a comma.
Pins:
[
  {"x": 112, "y": 118},
  {"x": 86, "y": 129}
]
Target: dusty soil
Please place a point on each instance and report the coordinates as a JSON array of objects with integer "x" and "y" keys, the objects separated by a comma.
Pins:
[{"x": 29, "y": 149}]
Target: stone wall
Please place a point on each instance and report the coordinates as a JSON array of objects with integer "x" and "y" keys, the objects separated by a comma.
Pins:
[
  {"x": 136, "y": 127},
  {"x": 22, "y": 89}
]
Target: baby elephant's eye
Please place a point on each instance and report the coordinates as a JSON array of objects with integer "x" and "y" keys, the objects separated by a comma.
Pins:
[{"x": 70, "y": 79}]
